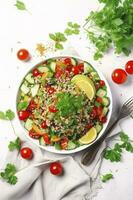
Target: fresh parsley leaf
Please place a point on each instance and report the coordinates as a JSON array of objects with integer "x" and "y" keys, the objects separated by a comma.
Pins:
[
  {"x": 20, "y": 5},
  {"x": 73, "y": 25},
  {"x": 114, "y": 155},
  {"x": 58, "y": 38},
  {"x": 73, "y": 28},
  {"x": 15, "y": 144},
  {"x": 106, "y": 177},
  {"x": 10, "y": 114},
  {"x": 52, "y": 36},
  {"x": 124, "y": 137},
  {"x": 22, "y": 105},
  {"x": 58, "y": 45},
  {"x": 9, "y": 174}
]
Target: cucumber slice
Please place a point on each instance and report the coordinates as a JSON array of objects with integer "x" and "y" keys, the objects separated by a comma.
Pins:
[
  {"x": 34, "y": 90},
  {"x": 41, "y": 141},
  {"x": 30, "y": 78},
  {"x": 98, "y": 127},
  {"x": 105, "y": 111},
  {"x": 101, "y": 93},
  {"x": 53, "y": 66},
  {"x": 24, "y": 89},
  {"x": 57, "y": 146},
  {"x": 28, "y": 124},
  {"x": 95, "y": 76},
  {"x": 87, "y": 68},
  {"x": 74, "y": 61},
  {"x": 43, "y": 69},
  {"x": 71, "y": 145},
  {"x": 105, "y": 101}
]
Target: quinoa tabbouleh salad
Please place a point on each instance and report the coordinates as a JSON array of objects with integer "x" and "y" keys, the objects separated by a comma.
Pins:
[{"x": 63, "y": 103}]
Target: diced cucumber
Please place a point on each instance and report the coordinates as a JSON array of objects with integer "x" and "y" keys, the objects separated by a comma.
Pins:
[
  {"x": 105, "y": 101},
  {"x": 105, "y": 111},
  {"x": 95, "y": 76},
  {"x": 41, "y": 141},
  {"x": 71, "y": 145},
  {"x": 28, "y": 124},
  {"x": 25, "y": 89},
  {"x": 43, "y": 69},
  {"x": 74, "y": 61},
  {"x": 57, "y": 146},
  {"x": 53, "y": 66},
  {"x": 101, "y": 93},
  {"x": 87, "y": 68},
  {"x": 98, "y": 127},
  {"x": 30, "y": 78},
  {"x": 50, "y": 74},
  {"x": 34, "y": 90}
]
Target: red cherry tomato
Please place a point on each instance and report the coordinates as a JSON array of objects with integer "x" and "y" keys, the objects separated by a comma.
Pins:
[
  {"x": 94, "y": 112},
  {"x": 46, "y": 138},
  {"x": 81, "y": 67},
  {"x": 23, "y": 54},
  {"x": 33, "y": 134},
  {"x": 43, "y": 124},
  {"x": 50, "y": 90},
  {"x": 67, "y": 61},
  {"x": 68, "y": 68},
  {"x": 119, "y": 76},
  {"x": 99, "y": 111},
  {"x": 36, "y": 72},
  {"x": 32, "y": 105},
  {"x": 64, "y": 143},
  {"x": 90, "y": 125},
  {"x": 75, "y": 70},
  {"x": 97, "y": 86},
  {"x": 56, "y": 168},
  {"x": 102, "y": 83},
  {"x": 26, "y": 153},
  {"x": 102, "y": 119},
  {"x": 52, "y": 109},
  {"x": 23, "y": 114},
  {"x": 99, "y": 99},
  {"x": 129, "y": 67}
]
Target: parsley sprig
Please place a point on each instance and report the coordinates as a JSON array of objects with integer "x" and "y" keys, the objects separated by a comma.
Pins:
[
  {"x": 114, "y": 154},
  {"x": 58, "y": 37},
  {"x": 15, "y": 144},
  {"x": 106, "y": 177},
  {"x": 7, "y": 115},
  {"x": 9, "y": 174},
  {"x": 73, "y": 28}
]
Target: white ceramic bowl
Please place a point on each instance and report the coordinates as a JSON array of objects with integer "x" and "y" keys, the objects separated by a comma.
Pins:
[{"x": 52, "y": 148}]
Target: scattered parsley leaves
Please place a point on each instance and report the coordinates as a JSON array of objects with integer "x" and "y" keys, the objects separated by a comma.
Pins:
[
  {"x": 14, "y": 145},
  {"x": 8, "y": 115},
  {"x": 20, "y": 5},
  {"x": 73, "y": 28},
  {"x": 9, "y": 174},
  {"x": 106, "y": 177},
  {"x": 58, "y": 38}
]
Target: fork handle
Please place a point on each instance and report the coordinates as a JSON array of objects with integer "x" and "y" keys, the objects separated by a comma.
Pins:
[{"x": 90, "y": 154}]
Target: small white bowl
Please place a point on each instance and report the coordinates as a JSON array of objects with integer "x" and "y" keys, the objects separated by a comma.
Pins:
[{"x": 52, "y": 148}]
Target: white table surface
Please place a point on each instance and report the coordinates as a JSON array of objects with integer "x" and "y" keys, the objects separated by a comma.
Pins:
[{"x": 25, "y": 29}]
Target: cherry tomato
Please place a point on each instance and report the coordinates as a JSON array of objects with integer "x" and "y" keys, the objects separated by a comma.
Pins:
[
  {"x": 36, "y": 72},
  {"x": 50, "y": 90},
  {"x": 64, "y": 143},
  {"x": 52, "y": 109},
  {"x": 102, "y": 83},
  {"x": 102, "y": 119},
  {"x": 68, "y": 68},
  {"x": 26, "y": 153},
  {"x": 75, "y": 70},
  {"x": 99, "y": 99},
  {"x": 32, "y": 105},
  {"x": 33, "y": 134},
  {"x": 81, "y": 67},
  {"x": 43, "y": 124},
  {"x": 99, "y": 111},
  {"x": 90, "y": 125},
  {"x": 67, "y": 61},
  {"x": 97, "y": 86},
  {"x": 23, "y": 114},
  {"x": 59, "y": 73},
  {"x": 23, "y": 54},
  {"x": 129, "y": 67},
  {"x": 119, "y": 76},
  {"x": 56, "y": 168},
  {"x": 46, "y": 138},
  {"x": 94, "y": 112}
]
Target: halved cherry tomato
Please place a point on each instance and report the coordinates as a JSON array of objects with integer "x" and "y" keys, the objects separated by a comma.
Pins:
[
  {"x": 23, "y": 114},
  {"x": 32, "y": 105},
  {"x": 52, "y": 109},
  {"x": 99, "y": 99},
  {"x": 75, "y": 70},
  {"x": 90, "y": 125},
  {"x": 69, "y": 68},
  {"x": 33, "y": 134},
  {"x": 97, "y": 86},
  {"x": 102, "y": 83},
  {"x": 64, "y": 143},
  {"x": 50, "y": 90},
  {"x": 94, "y": 112},
  {"x": 44, "y": 124},
  {"x": 36, "y": 72},
  {"x": 129, "y": 67},
  {"x": 102, "y": 119},
  {"x": 26, "y": 153},
  {"x": 46, "y": 138},
  {"x": 99, "y": 111},
  {"x": 119, "y": 76},
  {"x": 59, "y": 73},
  {"x": 23, "y": 54},
  {"x": 67, "y": 61},
  {"x": 81, "y": 66},
  {"x": 56, "y": 168}
]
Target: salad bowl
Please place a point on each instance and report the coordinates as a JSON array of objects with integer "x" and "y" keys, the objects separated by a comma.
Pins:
[{"x": 92, "y": 93}]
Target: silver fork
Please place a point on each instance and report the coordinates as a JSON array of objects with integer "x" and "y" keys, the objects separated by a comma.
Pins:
[{"x": 125, "y": 111}]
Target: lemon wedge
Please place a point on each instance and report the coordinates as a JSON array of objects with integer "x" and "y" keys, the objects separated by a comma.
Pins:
[
  {"x": 85, "y": 84},
  {"x": 89, "y": 137}
]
